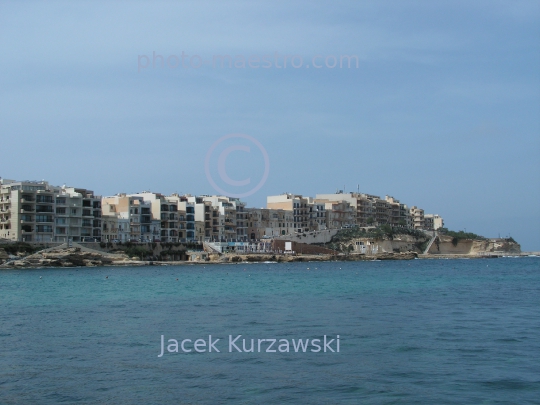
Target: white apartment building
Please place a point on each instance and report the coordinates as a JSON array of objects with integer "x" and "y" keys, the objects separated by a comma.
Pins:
[
  {"x": 35, "y": 211},
  {"x": 232, "y": 217}
]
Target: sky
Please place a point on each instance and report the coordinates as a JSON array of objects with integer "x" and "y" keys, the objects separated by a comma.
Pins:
[{"x": 439, "y": 109}]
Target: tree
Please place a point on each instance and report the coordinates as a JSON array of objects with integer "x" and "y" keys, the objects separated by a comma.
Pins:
[{"x": 370, "y": 220}]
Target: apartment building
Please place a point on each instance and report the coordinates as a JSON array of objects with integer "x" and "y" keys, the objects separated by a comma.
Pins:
[
  {"x": 318, "y": 217},
  {"x": 185, "y": 211},
  {"x": 232, "y": 217},
  {"x": 268, "y": 222},
  {"x": 339, "y": 214},
  {"x": 77, "y": 215},
  {"x": 417, "y": 217},
  {"x": 433, "y": 222},
  {"x": 128, "y": 218},
  {"x": 372, "y": 210},
  {"x": 297, "y": 204},
  {"x": 164, "y": 209},
  {"x": 35, "y": 211},
  {"x": 399, "y": 214},
  {"x": 208, "y": 216},
  {"x": 363, "y": 204}
]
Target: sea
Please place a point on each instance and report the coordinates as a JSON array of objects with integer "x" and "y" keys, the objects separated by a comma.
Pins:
[{"x": 410, "y": 332}]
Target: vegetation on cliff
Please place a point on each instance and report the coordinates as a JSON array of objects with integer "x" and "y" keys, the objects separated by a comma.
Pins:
[
  {"x": 343, "y": 236},
  {"x": 15, "y": 248},
  {"x": 460, "y": 235}
]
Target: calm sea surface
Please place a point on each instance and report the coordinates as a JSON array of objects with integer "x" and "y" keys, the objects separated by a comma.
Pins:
[{"x": 411, "y": 332}]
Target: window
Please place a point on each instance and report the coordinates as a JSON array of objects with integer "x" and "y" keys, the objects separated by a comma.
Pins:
[
  {"x": 44, "y": 218},
  {"x": 74, "y": 211},
  {"x": 61, "y": 200},
  {"x": 44, "y": 228},
  {"x": 60, "y": 210},
  {"x": 44, "y": 198}
]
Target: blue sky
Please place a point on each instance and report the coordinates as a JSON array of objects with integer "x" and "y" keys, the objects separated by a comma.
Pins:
[{"x": 443, "y": 111}]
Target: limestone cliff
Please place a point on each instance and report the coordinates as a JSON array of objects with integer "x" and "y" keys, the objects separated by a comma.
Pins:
[{"x": 69, "y": 257}]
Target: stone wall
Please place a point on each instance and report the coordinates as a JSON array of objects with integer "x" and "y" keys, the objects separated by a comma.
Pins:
[{"x": 301, "y": 248}]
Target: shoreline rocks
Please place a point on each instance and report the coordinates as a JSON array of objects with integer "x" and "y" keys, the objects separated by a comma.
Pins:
[{"x": 70, "y": 257}]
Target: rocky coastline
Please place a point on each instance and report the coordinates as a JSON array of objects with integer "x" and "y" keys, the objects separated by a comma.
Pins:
[{"x": 76, "y": 257}]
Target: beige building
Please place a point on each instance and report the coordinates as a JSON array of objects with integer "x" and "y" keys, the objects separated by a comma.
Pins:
[
  {"x": 297, "y": 204},
  {"x": 339, "y": 214},
  {"x": 433, "y": 222},
  {"x": 372, "y": 210},
  {"x": 417, "y": 217},
  {"x": 399, "y": 214},
  {"x": 363, "y": 204},
  {"x": 267, "y": 222},
  {"x": 128, "y": 218}
]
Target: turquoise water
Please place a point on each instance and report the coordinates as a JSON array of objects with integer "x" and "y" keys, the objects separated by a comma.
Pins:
[{"x": 411, "y": 332}]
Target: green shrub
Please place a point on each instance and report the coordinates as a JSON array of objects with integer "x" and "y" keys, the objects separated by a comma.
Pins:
[{"x": 14, "y": 248}]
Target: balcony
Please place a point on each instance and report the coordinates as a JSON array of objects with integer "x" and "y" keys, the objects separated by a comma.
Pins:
[
  {"x": 44, "y": 230},
  {"x": 44, "y": 200},
  {"x": 44, "y": 209}
]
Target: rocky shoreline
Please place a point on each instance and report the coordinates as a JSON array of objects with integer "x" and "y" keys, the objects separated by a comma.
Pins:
[
  {"x": 70, "y": 257},
  {"x": 75, "y": 257}
]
